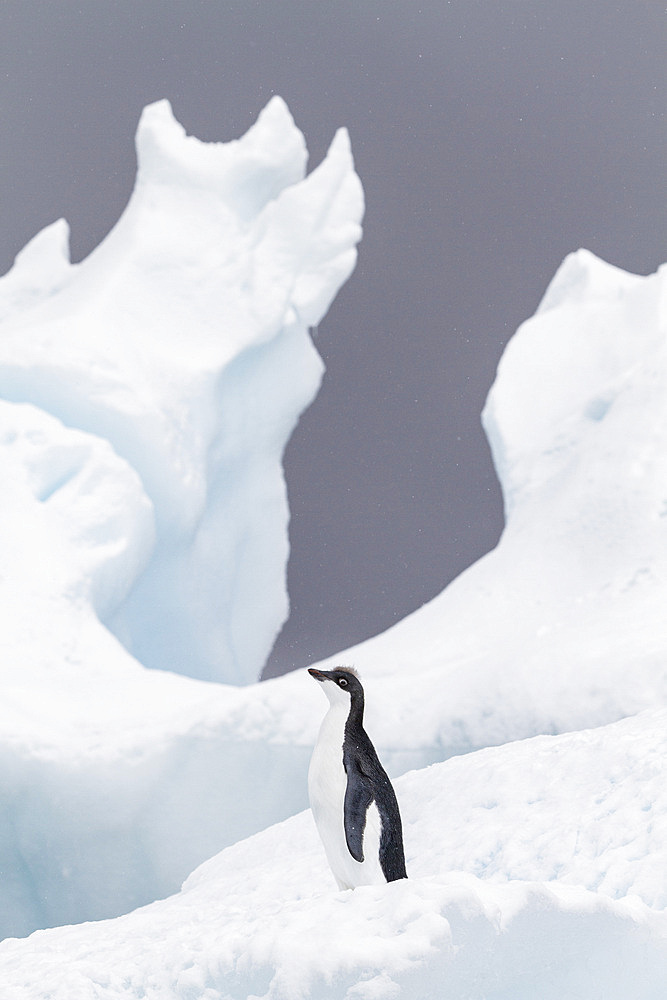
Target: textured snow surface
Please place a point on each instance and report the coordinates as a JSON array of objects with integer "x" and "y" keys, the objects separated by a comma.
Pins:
[
  {"x": 536, "y": 869},
  {"x": 146, "y": 396}
]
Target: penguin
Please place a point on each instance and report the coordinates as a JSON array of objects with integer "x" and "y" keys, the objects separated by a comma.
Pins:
[{"x": 353, "y": 803}]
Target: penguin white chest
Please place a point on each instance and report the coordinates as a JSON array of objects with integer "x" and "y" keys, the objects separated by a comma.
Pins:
[
  {"x": 327, "y": 784},
  {"x": 327, "y": 780}
]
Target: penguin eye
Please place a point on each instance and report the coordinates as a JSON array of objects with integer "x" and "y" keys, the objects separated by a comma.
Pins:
[{"x": 343, "y": 682}]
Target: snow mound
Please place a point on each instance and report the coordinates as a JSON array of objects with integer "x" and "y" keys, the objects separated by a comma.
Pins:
[
  {"x": 183, "y": 342},
  {"x": 562, "y": 893}
]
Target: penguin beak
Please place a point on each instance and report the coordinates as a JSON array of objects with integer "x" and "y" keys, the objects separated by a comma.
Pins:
[{"x": 319, "y": 675}]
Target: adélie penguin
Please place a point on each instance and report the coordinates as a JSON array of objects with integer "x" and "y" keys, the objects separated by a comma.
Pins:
[{"x": 351, "y": 797}]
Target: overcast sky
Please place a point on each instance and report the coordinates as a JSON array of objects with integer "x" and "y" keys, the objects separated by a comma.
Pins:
[{"x": 491, "y": 138}]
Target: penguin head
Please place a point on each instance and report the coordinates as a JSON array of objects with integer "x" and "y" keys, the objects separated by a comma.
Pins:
[{"x": 341, "y": 685}]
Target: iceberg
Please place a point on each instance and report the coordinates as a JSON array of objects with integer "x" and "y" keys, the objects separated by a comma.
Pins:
[
  {"x": 146, "y": 395},
  {"x": 183, "y": 342},
  {"x": 119, "y": 781}
]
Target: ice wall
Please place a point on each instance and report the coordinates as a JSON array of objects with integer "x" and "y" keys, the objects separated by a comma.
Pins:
[{"x": 183, "y": 342}]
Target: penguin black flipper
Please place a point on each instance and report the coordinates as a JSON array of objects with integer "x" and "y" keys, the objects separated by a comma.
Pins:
[
  {"x": 367, "y": 781},
  {"x": 358, "y": 797},
  {"x": 392, "y": 855}
]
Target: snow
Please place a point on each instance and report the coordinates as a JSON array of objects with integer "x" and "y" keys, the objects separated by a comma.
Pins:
[
  {"x": 146, "y": 396},
  {"x": 536, "y": 869}
]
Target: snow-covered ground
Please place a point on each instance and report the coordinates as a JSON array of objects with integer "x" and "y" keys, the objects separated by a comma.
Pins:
[
  {"x": 537, "y": 869},
  {"x": 147, "y": 394}
]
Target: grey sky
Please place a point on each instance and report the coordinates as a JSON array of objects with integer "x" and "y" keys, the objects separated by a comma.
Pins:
[{"x": 492, "y": 139}]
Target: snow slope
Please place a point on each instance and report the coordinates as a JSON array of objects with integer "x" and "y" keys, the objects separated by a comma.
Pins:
[{"x": 537, "y": 869}]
